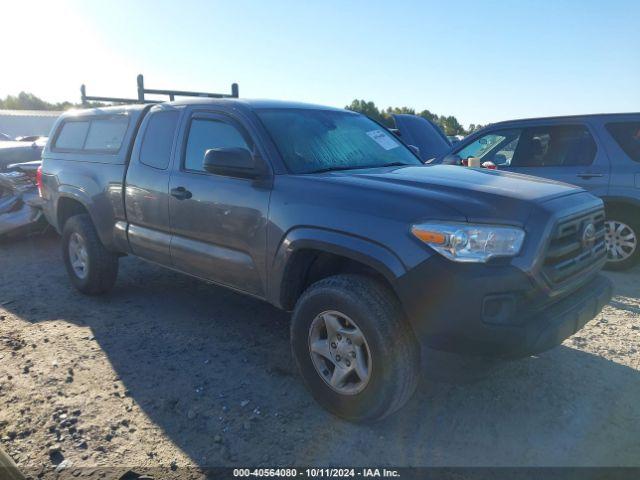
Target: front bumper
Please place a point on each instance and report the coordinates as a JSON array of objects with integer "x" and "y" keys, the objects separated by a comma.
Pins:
[
  {"x": 497, "y": 310},
  {"x": 550, "y": 327}
]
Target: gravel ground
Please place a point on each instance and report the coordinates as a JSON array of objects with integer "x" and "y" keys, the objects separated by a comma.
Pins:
[{"x": 168, "y": 371}]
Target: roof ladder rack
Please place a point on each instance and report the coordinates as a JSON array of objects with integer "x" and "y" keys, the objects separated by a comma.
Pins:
[{"x": 142, "y": 91}]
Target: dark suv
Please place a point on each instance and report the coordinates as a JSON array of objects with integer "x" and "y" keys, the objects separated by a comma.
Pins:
[
  {"x": 600, "y": 153},
  {"x": 324, "y": 212}
]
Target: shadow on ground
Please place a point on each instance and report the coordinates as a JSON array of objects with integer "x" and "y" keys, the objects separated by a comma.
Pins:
[{"x": 190, "y": 353}]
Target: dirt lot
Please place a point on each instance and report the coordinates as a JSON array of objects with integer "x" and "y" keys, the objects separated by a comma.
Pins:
[{"x": 170, "y": 371}]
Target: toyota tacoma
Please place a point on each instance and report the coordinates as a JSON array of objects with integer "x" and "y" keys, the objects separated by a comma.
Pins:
[{"x": 325, "y": 213}]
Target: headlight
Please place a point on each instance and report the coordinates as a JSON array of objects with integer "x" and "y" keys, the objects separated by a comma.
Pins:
[{"x": 464, "y": 242}]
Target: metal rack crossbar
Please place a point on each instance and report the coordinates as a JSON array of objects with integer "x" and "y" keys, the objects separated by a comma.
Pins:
[{"x": 142, "y": 91}]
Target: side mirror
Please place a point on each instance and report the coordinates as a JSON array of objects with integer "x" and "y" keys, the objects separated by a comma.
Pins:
[
  {"x": 231, "y": 162},
  {"x": 415, "y": 150},
  {"x": 500, "y": 159}
]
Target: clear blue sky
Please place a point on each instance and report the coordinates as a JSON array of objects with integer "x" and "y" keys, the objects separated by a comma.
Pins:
[{"x": 482, "y": 61}]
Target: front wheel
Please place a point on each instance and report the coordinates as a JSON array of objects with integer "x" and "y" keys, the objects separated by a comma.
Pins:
[
  {"x": 621, "y": 239},
  {"x": 353, "y": 347}
]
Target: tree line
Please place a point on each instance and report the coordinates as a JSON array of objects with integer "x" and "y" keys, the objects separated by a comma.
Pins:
[
  {"x": 449, "y": 124},
  {"x": 28, "y": 101}
]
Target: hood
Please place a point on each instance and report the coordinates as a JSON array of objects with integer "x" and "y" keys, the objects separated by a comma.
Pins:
[
  {"x": 478, "y": 194},
  {"x": 422, "y": 133}
]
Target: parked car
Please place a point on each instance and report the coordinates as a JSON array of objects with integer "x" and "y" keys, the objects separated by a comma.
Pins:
[
  {"x": 325, "y": 213},
  {"x": 32, "y": 138},
  {"x": 19, "y": 152},
  {"x": 454, "y": 139},
  {"x": 20, "y": 203},
  {"x": 600, "y": 153},
  {"x": 428, "y": 140}
]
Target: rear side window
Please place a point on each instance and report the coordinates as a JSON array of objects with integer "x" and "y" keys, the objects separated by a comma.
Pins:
[
  {"x": 554, "y": 146},
  {"x": 72, "y": 135},
  {"x": 627, "y": 135},
  {"x": 106, "y": 134},
  {"x": 158, "y": 139},
  {"x": 92, "y": 135}
]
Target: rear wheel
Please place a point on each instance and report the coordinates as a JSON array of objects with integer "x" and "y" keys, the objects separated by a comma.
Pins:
[
  {"x": 622, "y": 230},
  {"x": 353, "y": 347},
  {"x": 91, "y": 267}
]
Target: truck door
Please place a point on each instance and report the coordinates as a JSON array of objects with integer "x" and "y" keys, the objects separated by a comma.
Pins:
[
  {"x": 218, "y": 222},
  {"x": 147, "y": 186}
]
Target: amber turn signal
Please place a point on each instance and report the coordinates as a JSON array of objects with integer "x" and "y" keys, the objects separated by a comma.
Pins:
[{"x": 437, "y": 238}]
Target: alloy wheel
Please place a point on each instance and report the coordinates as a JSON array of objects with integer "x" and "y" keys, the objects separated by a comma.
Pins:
[
  {"x": 78, "y": 256},
  {"x": 620, "y": 239},
  {"x": 340, "y": 352}
]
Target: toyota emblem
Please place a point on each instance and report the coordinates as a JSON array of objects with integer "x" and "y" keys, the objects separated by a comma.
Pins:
[{"x": 588, "y": 235}]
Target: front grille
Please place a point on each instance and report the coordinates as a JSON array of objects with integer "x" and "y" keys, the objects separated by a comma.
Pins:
[{"x": 568, "y": 254}]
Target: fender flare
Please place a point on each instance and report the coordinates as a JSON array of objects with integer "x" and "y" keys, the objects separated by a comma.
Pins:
[
  {"x": 101, "y": 220},
  {"x": 72, "y": 193},
  {"x": 632, "y": 202},
  {"x": 356, "y": 248}
]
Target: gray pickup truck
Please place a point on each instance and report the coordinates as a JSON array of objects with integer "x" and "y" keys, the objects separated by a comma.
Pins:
[{"x": 325, "y": 213}]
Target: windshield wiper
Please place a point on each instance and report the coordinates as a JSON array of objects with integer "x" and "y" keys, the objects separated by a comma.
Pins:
[
  {"x": 395, "y": 164},
  {"x": 339, "y": 167},
  {"x": 358, "y": 167}
]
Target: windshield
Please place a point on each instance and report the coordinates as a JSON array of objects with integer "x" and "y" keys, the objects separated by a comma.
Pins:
[
  {"x": 481, "y": 146},
  {"x": 323, "y": 140}
]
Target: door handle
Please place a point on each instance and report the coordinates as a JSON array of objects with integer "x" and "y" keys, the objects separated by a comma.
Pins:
[
  {"x": 181, "y": 193},
  {"x": 589, "y": 175}
]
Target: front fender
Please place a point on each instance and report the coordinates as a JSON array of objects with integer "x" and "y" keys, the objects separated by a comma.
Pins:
[{"x": 359, "y": 249}]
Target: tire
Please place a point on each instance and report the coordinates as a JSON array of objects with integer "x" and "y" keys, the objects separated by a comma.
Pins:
[
  {"x": 8, "y": 468},
  {"x": 627, "y": 220},
  {"x": 394, "y": 353},
  {"x": 101, "y": 266}
]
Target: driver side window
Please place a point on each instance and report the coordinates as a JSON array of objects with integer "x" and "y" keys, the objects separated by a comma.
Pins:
[
  {"x": 504, "y": 155},
  {"x": 497, "y": 147},
  {"x": 208, "y": 133}
]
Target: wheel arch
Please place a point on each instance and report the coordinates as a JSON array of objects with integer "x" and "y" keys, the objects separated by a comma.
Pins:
[
  {"x": 73, "y": 201},
  {"x": 615, "y": 202},
  {"x": 69, "y": 204},
  {"x": 307, "y": 255}
]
